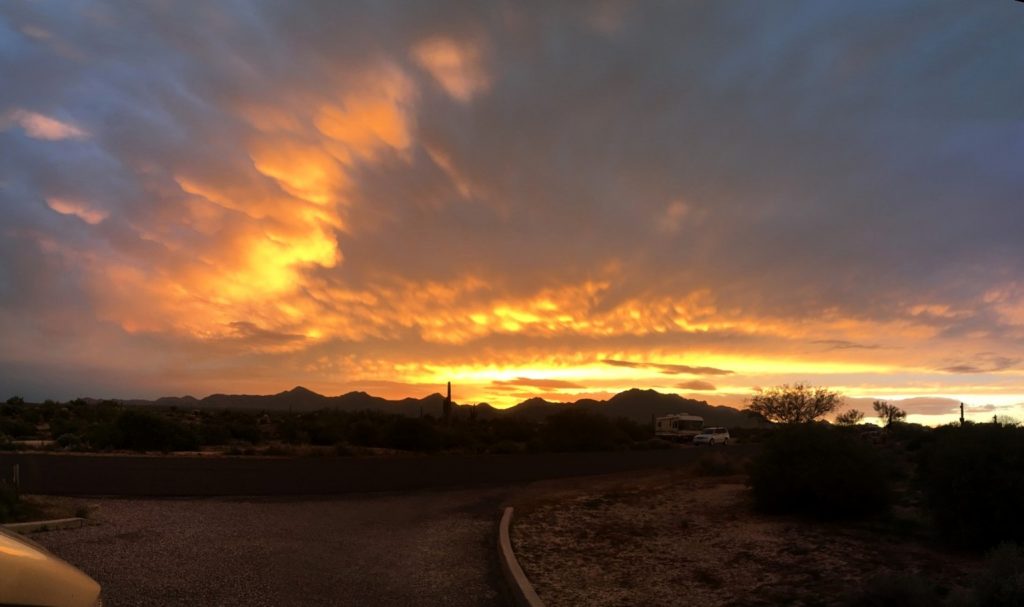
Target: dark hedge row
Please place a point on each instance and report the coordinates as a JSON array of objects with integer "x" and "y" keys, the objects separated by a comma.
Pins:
[{"x": 81, "y": 426}]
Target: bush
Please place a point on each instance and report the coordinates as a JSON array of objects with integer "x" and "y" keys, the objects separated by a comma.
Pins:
[
  {"x": 635, "y": 431},
  {"x": 575, "y": 430},
  {"x": 17, "y": 428},
  {"x": 905, "y": 590},
  {"x": 513, "y": 429},
  {"x": 506, "y": 447},
  {"x": 9, "y": 503},
  {"x": 145, "y": 431},
  {"x": 973, "y": 481},
  {"x": 652, "y": 444},
  {"x": 716, "y": 464},
  {"x": 413, "y": 434},
  {"x": 364, "y": 432},
  {"x": 68, "y": 441},
  {"x": 816, "y": 471},
  {"x": 1001, "y": 582}
]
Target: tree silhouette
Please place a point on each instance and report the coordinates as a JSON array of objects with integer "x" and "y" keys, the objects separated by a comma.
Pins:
[
  {"x": 796, "y": 404},
  {"x": 850, "y": 418},
  {"x": 889, "y": 413}
]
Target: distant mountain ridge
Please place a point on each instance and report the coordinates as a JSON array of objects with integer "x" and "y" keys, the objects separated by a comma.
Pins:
[{"x": 635, "y": 404}]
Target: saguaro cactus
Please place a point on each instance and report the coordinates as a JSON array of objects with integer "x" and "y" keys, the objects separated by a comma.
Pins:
[{"x": 448, "y": 404}]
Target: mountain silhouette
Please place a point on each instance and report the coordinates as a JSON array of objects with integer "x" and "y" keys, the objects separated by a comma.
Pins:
[{"x": 635, "y": 404}]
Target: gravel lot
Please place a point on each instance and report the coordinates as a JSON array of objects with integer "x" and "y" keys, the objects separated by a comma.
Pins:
[
  {"x": 671, "y": 539},
  {"x": 426, "y": 548}
]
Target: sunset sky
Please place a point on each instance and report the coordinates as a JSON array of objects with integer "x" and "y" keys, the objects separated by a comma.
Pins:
[{"x": 555, "y": 199}]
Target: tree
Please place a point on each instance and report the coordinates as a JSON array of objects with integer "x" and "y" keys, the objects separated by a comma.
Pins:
[
  {"x": 1006, "y": 421},
  {"x": 850, "y": 418},
  {"x": 889, "y": 413},
  {"x": 15, "y": 400},
  {"x": 796, "y": 404}
]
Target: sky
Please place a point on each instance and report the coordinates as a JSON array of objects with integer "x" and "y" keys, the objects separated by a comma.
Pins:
[{"x": 556, "y": 199}]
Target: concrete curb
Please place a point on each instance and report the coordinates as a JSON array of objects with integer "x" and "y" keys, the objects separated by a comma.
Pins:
[
  {"x": 34, "y": 526},
  {"x": 522, "y": 590}
]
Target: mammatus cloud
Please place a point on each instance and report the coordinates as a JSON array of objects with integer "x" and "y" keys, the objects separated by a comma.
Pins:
[{"x": 594, "y": 197}]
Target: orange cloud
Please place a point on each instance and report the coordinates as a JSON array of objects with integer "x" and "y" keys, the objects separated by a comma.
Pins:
[
  {"x": 39, "y": 126},
  {"x": 77, "y": 208},
  {"x": 456, "y": 66}
]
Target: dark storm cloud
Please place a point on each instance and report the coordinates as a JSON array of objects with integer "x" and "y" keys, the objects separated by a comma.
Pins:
[{"x": 985, "y": 362}]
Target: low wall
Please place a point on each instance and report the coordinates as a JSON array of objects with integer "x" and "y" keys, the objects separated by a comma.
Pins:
[{"x": 81, "y": 474}]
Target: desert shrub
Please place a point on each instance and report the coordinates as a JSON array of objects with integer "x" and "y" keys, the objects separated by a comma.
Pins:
[
  {"x": 652, "y": 444},
  {"x": 101, "y": 435},
  {"x": 912, "y": 437},
  {"x": 62, "y": 425},
  {"x": 716, "y": 464},
  {"x": 512, "y": 429},
  {"x": 213, "y": 433},
  {"x": 242, "y": 426},
  {"x": 17, "y": 428},
  {"x": 10, "y": 505},
  {"x": 68, "y": 441},
  {"x": 146, "y": 431},
  {"x": 750, "y": 435},
  {"x": 413, "y": 434},
  {"x": 575, "y": 430},
  {"x": 507, "y": 446},
  {"x": 1001, "y": 581},
  {"x": 459, "y": 435},
  {"x": 635, "y": 431},
  {"x": 364, "y": 432},
  {"x": 292, "y": 430},
  {"x": 324, "y": 429},
  {"x": 813, "y": 470},
  {"x": 973, "y": 481},
  {"x": 890, "y": 589}
]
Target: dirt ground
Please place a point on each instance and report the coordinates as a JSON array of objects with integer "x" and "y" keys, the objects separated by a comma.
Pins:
[{"x": 673, "y": 538}]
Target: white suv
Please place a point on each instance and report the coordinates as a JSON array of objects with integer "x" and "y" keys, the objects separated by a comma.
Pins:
[{"x": 712, "y": 436}]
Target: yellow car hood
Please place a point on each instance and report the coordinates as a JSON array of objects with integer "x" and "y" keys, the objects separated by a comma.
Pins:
[{"x": 29, "y": 575}]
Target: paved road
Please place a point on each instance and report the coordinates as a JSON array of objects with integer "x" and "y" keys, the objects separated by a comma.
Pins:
[{"x": 423, "y": 548}]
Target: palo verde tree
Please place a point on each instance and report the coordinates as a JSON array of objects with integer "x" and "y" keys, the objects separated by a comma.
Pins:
[
  {"x": 796, "y": 404},
  {"x": 849, "y": 418},
  {"x": 888, "y": 413}
]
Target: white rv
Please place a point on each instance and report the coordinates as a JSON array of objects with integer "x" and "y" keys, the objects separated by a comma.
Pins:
[{"x": 678, "y": 427}]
